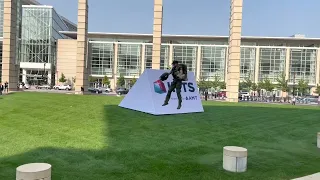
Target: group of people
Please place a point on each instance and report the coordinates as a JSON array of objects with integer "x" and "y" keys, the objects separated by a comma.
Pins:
[{"x": 4, "y": 87}]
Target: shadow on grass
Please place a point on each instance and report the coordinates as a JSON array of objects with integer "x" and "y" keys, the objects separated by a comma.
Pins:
[{"x": 140, "y": 146}]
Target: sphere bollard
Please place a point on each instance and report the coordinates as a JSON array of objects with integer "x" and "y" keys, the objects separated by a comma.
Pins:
[
  {"x": 34, "y": 171},
  {"x": 235, "y": 159}
]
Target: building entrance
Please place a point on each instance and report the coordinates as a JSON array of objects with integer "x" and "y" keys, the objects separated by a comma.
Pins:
[{"x": 35, "y": 77}]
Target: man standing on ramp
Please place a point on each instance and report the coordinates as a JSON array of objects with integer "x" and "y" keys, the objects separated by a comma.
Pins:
[{"x": 179, "y": 74}]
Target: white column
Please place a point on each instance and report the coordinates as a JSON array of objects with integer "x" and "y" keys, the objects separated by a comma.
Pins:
[
  {"x": 318, "y": 67},
  {"x": 257, "y": 65},
  {"x": 24, "y": 76},
  {"x": 170, "y": 54},
  {"x": 143, "y": 58},
  {"x": 49, "y": 77},
  {"x": 115, "y": 65},
  {"x": 198, "y": 63},
  {"x": 287, "y": 70}
]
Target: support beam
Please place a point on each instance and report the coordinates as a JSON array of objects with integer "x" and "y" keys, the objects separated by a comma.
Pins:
[
  {"x": 198, "y": 63},
  {"x": 257, "y": 65},
  {"x": 157, "y": 33},
  {"x": 318, "y": 67},
  {"x": 10, "y": 65},
  {"x": 115, "y": 65},
  {"x": 82, "y": 66},
  {"x": 287, "y": 67},
  {"x": 234, "y": 50},
  {"x": 143, "y": 59}
]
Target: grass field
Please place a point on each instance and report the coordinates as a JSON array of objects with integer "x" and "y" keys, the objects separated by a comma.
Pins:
[{"x": 91, "y": 138}]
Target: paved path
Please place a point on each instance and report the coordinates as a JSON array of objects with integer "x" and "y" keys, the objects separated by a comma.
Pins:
[{"x": 310, "y": 177}]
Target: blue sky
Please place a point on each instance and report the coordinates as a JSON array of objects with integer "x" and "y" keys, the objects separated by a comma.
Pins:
[{"x": 203, "y": 17}]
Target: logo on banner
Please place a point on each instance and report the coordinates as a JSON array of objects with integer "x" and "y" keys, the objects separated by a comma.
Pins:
[{"x": 159, "y": 87}]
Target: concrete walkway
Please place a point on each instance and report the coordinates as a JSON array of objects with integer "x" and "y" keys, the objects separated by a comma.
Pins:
[{"x": 310, "y": 177}]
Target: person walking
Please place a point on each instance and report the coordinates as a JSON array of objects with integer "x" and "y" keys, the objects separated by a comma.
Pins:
[
  {"x": 1, "y": 88},
  {"x": 206, "y": 95},
  {"x": 178, "y": 75},
  {"x": 293, "y": 100},
  {"x": 6, "y": 87}
]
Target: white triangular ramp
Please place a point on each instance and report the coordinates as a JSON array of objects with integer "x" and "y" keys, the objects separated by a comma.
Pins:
[
  {"x": 148, "y": 94},
  {"x": 139, "y": 97}
]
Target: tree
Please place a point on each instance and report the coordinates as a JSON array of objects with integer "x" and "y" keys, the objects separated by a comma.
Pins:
[
  {"x": 317, "y": 89},
  {"x": 62, "y": 78},
  {"x": 303, "y": 86},
  {"x": 260, "y": 86},
  {"x": 268, "y": 85},
  {"x": 282, "y": 83},
  {"x": 247, "y": 83},
  {"x": 121, "y": 81},
  {"x": 133, "y": 81},
  {"x": 223, "y": 85},
  {"x": 74, "y": 80},
  {"x": 216, "y": 82},
  {"x": 242, "y": 86},
  {"x": 106, "y": 81},
  {"x": 91, "y": 79},
  {"x": 203, "y": 84},
  {"x": 254, "y": 87}
]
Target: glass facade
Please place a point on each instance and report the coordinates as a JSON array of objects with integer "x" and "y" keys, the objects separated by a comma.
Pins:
[
  {"x": 0, "y": 61},
  {"x": 272, "y": 63},
  {"x": 302, "y": 65},
  {"x": 102, "y": 58},
  {"x": 186, "y": 55},
  {"x": 164, "y": 57},
  {"x": 129, "y": 59},
  {"x": 213, "y": 60},
  {"x": 247, "y": 63},
  {"x": 40, "y": 31},
  {"x": 1, "y": 17}
]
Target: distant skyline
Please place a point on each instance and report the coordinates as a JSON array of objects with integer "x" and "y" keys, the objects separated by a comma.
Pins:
[{"x": 189, "y": 17}]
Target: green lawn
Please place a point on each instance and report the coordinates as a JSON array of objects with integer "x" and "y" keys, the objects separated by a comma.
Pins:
[{"x": 91, "y": 138}]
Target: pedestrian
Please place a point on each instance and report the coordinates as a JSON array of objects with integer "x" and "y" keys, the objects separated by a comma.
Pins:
[
  {"x": 1, "y": 88},
  {"x": 293, "y": 100},
  {"x": 206, "y": 95},
  {"x": 179, "y": 74},
  {"x": 6, "y": 87}
]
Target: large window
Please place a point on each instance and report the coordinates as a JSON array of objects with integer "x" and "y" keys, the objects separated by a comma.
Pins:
[
  {"x": 0, "y": 61},
  {"x": 247, "y": 63},
  {"x": 213, "y": 62},
  {"x": 102, "y": 56},
  {"x": 186, "y": 55},
  {"x": 272, "y": 63},
  {"x": 35, "y": 40},
  {"x": 129, "y": 59},
  {"x": 1, "y": 17},
  {"x": 302, "y": 65},
  {"x": 40, "y": 31},
  {"x": 164, "y": 57}
]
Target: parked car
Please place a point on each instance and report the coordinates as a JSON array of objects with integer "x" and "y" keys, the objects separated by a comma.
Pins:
[
  {"x": 107, "y": 90},
  {"x": 122, "y": 91},
  {"x": 26, "y": 86},
  {"x": 62, "y": 87},
  {"x": 43, "y": 87},
  {"x": 244, "y": 95},
  {"x": 94, "y": 90}
]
